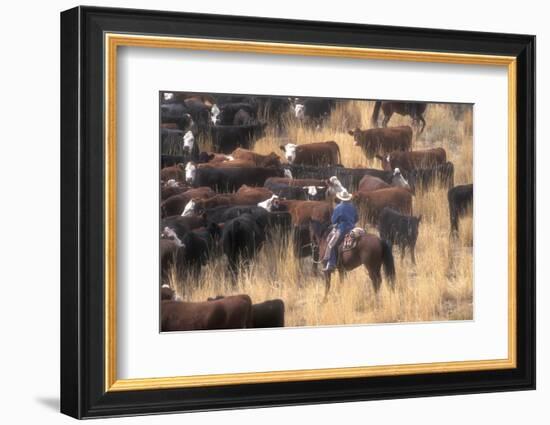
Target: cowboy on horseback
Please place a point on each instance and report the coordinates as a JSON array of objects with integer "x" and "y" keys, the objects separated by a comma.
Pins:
[{"x": 344, "y": 218}]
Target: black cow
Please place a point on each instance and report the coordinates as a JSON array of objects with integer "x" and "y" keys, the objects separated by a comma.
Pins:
[
  {"x": 169, "y": 160},
  {"x": 273, "y": 109},
  {"x": 223, "y": 100},
  {"x": 269, "y": 314},
  {"x": 399, "y": 229},
  {"x": 227, "y": 138},
  {"x": 314, "y": 109},
  {"x": 183, "y": 225},
  {"x": 188, "y": 115},
  {"x": 199, "y": 245},
  {"x": 175, "y": 142},
  {"x": 228, "y": 112},
  {"x": 425, "y": 178},
  {"x": 243, "y": 117},
  {"x": 241, "y": 240},
  {"x": 230, "y": 179},
  {"x": 349, "y": 177},
  {"x": 460, "y": 199},
  {"x": 268, "y": 221}
]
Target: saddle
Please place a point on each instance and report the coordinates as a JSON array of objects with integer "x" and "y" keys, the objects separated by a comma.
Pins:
[{"x": 350, "y": 240}]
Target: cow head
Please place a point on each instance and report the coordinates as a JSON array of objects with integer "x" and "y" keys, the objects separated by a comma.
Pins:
[
  {"x": 299, "y": 111},
  {"x": 188, "y": 142},
  {"x": 335, "y": 186},
  {"x": 171, "y": 183},
  {"x": 290, "y": 151},
  {"x": 214, "y": 114},
  {"x": 170, "y": 234},
  {"x": 386, "y": 161},
  {"x": 270, "y": 204},
  {"x": 190, "y": 172},
  {"x": 205, "y": 157},
  {"x": 167, "y": 293},
  {"x": 272, "y": 160},
  {"x": 356, "y": 134},
  {"x": 186, "y": 122},
  {"x": 315, "y": 193},
  {"x": 398, "y": 180},
  {"x": 189, "y": 209}
]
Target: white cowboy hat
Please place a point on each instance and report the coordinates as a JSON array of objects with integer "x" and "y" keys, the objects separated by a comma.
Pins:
[{"x": 344, "y": 195}]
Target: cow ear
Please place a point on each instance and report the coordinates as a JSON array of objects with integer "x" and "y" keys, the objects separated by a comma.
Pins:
[
  {"x": 181, "y": 166},
  {"x": 282, "y": 147},
  {"x": 350, "y": 132},
  {"x": 381, "y": 158},
  {"x": 420, "y": 218}
]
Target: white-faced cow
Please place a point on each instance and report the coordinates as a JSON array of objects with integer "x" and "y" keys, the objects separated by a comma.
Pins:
[{"x": 317, "y": 154}]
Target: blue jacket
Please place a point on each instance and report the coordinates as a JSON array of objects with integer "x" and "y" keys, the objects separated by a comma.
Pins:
[{"x": 344, "y": 217}]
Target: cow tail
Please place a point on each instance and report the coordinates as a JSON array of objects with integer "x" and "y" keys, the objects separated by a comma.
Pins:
[
  {"x": 339, "y": 154},
  {"x": 387, "y": 261},
  {"x": 374, "y": 118}
]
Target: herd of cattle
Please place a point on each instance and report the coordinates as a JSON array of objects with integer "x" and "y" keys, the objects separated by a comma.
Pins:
[{"x": 230, "y": 201}]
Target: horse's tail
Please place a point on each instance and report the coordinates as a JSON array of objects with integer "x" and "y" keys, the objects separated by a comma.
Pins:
[
  {"x": 387, "y": 261},
  {"x": 374, "y": 118}
]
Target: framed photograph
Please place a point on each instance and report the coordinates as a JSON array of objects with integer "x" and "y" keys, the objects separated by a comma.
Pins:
[{"x": 261, "y": 212}]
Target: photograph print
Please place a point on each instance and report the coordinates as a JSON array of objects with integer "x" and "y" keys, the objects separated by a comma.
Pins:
[{"x": 309, "y": 211}]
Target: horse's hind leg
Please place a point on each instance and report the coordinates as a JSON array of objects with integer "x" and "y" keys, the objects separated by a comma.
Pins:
[
  {"x": 327, "y": 286},
  {"x": 341, "y": 275},
  {"x": 386, "y": 119},
  {"x": 376, "y": 279},
  {"x": 423, "y": 121}
]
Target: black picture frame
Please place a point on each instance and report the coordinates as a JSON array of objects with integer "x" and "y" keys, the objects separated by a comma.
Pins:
[{"x": 82, "y": 205}]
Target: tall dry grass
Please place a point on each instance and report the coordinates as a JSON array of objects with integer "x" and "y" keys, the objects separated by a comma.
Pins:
[{"x": 438, "y": 288}]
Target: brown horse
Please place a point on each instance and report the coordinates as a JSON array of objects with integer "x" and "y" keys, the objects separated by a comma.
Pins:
[
  {"x": 413, "y": 109},
  {"x": 370, "y": 251}
]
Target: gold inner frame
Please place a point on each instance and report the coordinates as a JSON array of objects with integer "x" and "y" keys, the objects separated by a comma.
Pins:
[{"x": 113, "y": 41}]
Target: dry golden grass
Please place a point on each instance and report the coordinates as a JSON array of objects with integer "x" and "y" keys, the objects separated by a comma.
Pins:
[{"x": 438, "y": 288}]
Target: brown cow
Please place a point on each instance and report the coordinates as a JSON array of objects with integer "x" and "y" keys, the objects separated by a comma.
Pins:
[
  {"x": 174, "y": 172},
  {"x": 370, "y": 183},
  {"x": 246, "y": 195},
  {"x": 174, "y": 205},
  {"x": 320, "y": 153},
  {"x": 234, "y": 312},
  {"x": 171, "y": 188},
  {"x": 270, "y": 160},
  {"x": 237, "y": 163},
  {"x": 413, "y": 160},
  {"x": 382, "y": 140},
  {"x": 302, "y": 212},
  {"x": 373, "y": 202},
  {"x": 267, "y": 314}
]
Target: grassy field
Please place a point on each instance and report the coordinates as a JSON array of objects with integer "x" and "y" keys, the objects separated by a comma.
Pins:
[{"x": 438, "y": 288}]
